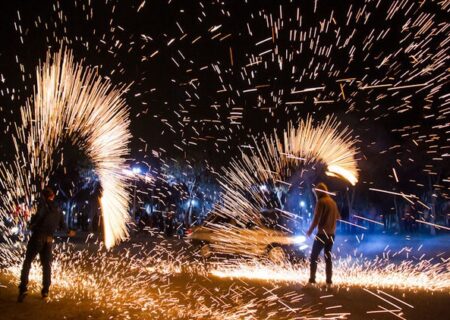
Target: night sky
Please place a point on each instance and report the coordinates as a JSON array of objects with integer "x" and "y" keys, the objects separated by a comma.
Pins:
[{"x": 208, "y": 75}]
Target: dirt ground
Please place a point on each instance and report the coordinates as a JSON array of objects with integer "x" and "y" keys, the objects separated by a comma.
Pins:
[
  {"x": 183, "y": 295},
  {"x": 352, "y": 302}
]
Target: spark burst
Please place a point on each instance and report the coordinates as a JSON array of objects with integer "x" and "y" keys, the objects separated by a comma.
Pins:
[
  {"x": 276, "y": 50},
  {"x": 140, "y": 283},
  {"x": 350, "y": 271},
  {"x": 277, "y": 162},
  {"x": 72, "y": 102},
  {"x": 281, "y": 165}
]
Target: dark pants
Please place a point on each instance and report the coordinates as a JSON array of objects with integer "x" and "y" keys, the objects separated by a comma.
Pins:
[
  {"x": 42, "y": 245},
  {"x": 322, "y": 242}
]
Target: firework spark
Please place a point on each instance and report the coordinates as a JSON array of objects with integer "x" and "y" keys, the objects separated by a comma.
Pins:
[
  {"x": 276, "y": 161},
  {"x": 389, "y": 74},
  {"x": 72, "y": 102},
  {"x": 143, "y": 283},
  {"x": 273, "y": 167},
  {"x": 377, "y": 273}
]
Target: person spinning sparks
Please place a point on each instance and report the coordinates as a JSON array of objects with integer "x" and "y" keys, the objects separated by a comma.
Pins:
[
  {"x": 43, "y": 225},
  {"x": 326, "y": 214}
]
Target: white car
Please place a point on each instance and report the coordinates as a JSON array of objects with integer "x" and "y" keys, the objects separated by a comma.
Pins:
[{"x": 225, "y": 235}]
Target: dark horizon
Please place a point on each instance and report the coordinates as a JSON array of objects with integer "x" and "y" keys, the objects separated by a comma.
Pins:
[{"x": 176, "y": 99}]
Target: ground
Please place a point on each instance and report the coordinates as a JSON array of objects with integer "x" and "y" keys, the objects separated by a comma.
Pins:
[{"x": 188, "y": 293}]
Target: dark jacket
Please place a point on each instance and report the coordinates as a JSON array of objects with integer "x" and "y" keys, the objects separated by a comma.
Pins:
[
  {"x": 326, "y": 213},
  {"x": 48, "y": 219}
]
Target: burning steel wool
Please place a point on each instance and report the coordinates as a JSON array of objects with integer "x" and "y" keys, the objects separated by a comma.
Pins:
[
  {"x": 148, "y": 281},
  {"x": 136, "y": 281},
  {"x": 72, "y": 102},
  {"x": 350, "y": 272},
  {"x": 280, "y": 164},
  {"x": 245, "y": 86},
  {"x": 265, "y": 178}
]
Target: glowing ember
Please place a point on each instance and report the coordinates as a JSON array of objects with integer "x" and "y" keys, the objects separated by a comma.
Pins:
[{"x": 378, "y": 273}]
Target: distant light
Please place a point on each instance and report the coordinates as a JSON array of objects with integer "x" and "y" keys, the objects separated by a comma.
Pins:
[
  {"x": 136, "y": 170},
  {"x": 148, "y": 208},
  {"x": 299, "y": 239},
  {"x": 192, "y": 203},
  {"x": 302, "y": 204}
]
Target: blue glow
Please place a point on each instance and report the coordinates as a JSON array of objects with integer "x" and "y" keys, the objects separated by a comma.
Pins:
[
  {"x": 136, "y": 170},
  {"x": 192, "y": 203},
  {"x": 299, "y": 239}
]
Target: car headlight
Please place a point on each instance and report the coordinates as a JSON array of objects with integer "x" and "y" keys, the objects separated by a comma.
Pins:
[{"x": 299, "y": 239}]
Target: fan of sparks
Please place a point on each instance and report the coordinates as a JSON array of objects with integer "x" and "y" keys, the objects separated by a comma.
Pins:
[
  {"x": 71, "y": 102},
  {"x": 279, "y": 165},
  {"x": 277, "y": 159}
]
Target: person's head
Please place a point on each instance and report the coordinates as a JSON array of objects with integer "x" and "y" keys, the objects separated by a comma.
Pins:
[
  {"x": 48, "y": 194},
  {"x": 321, "y": 190}
]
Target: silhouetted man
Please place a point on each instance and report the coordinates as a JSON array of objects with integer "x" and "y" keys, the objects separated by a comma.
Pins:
[
  {"x": 43, "y": 225},
  {"x": 326, "y": 214}
]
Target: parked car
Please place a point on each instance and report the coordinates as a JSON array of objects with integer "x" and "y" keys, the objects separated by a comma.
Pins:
[{"x": 226, "y": 235}]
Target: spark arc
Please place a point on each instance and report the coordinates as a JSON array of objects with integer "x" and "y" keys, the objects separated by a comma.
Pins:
[
  {"x": 274, "y": 161},
  {"x": 71, "y": 101}
]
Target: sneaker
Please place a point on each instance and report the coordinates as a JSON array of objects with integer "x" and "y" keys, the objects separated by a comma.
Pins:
[
  {"x": 310, "y": 284},
  {"x": 22, "y": 296}
]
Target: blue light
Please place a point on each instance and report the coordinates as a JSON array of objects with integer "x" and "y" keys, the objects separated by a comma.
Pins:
[
  {"x": 302, "y": 204},
  {"x": 299, "y": 239},
  {"x": 192, "y": 203},
  {"x": 148, "y": 208},
  {"x": 136, "y": 170}
]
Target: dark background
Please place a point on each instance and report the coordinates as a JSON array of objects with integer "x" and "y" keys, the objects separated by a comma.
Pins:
[{"x": 174, "y": 107}]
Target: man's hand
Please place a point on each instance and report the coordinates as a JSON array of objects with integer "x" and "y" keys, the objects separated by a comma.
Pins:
[{"x": 71, "y": 233}]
